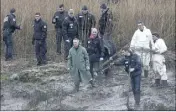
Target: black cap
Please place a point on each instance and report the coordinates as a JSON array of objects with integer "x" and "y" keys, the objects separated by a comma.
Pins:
[
  {"x": 84, "y": 7},
  {"x": 61, "y": 5},
  {"x": 103, "y": 6},
  {"x": 12, "y": 10},
  {"x": 156, "y": 34}
]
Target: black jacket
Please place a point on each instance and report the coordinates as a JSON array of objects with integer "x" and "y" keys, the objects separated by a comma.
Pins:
[
  {"x": 70, "y": 28},
  {"x": 10, "y": 23},
  {"x": 40, "y": 30},
  {"x": 132, "y": 61},
  {"x": 59, "y": 18},
  {"x": 95, "y": 49},
  {"x": 86, "y": 21}
]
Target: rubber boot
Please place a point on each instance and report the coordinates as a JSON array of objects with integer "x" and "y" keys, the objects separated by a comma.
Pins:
[
  {"x": 157, "y": 82},
  {"x": 92, "y": 83},
  {"x": 76, "y": 88},
  {"x": 146, "y": 73},
  {"x": 137, "y": 101}
]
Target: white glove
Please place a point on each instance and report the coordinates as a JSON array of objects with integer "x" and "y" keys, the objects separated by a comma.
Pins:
[
  {"x": 54, "y": 20},
  {"x": 131, "y": 69},
  {"x": 110, "y": 58},
  {"x": 67, "y": 40},
  {"x": 101, "y": 59},
  {"x": 68, "y": 69},
  {"x": 87, "y": 68}
]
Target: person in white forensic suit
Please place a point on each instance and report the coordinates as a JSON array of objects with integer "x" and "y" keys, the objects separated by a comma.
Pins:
[
  {"x": 142, "y": 44},
  {"x": 158, "y": 60}
]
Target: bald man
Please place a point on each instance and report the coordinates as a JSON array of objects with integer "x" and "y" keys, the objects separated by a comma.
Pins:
[{"x": 69, "y": 30}]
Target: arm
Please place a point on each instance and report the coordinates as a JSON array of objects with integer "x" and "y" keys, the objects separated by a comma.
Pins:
[
  {"x": 44, "y": 30},
  {"x": 64, "y": 29},
  {"x": 54, "y": 19},
  {"x": 13, "y": 22},
  {"x": 161, "y": 46},
  {"x": 69, "y": 64},
  {"x": 120, "y": 62},
  {"x": 93, "y": 21},
  {"x": 138, "y": 63},
  {"x": 101, "y": 43},
  {"x": 86, "y": 57}
]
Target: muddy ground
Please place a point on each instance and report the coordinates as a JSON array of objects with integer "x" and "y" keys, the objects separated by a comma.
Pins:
[{"x": 24, "y": 86}]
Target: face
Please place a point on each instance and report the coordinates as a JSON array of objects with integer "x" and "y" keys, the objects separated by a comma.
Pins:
[
  {"x": 37, "y": 17},
  {"x": 94, "y": 33},
  {"x": 61, "y": 9},
  {"x": 71, "y": 14},
  {"x": 103, "y": 10},
  {"x": 76, "y": 43},
  {"x": 84, "y": 11},
  {"x": 141, "y": 26}
]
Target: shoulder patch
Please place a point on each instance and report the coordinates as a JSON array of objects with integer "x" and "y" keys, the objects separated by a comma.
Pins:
[{"x": 6, "y": 19}]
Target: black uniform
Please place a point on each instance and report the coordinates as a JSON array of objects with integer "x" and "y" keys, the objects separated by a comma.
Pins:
[
  {"x": 85, "y": 23},
  {"x": 105, "y": 22},
  {"x": 39, "y": 37},
  {"x": 70, "y": 31},
  {"x": 9, "y": 27},
  {"x": 58, "y": 19},
  {"x": 133, "y": 61},
  {"x": 95, "y": 50}
]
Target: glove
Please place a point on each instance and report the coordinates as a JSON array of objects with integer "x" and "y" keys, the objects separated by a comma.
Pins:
[
  {"x": 101, "y": 59},
  {"x": 68, "y": 69},
  {"x": 68, "y": 41},
  {"x": 110, "y": 58},
  {"x": 131, "y": 69},
  {"x": 87, "y": 68}
]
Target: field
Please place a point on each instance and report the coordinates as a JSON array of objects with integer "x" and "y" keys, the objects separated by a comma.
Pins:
[{"x": 158, "y": 15}]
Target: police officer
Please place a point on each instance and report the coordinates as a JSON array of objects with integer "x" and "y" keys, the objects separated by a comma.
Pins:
[
  {"x": 70, "y": 31},
  {"x": 58, "y": 19},
  {"x": 39, "y": 39},
  {"x": 132, "y": 64},
  {"x": 105, "y": 21},
  {"x": 86, "y": 21},
  {"x": 8, "y": 29},
  {"x": 95, "y": 50}
]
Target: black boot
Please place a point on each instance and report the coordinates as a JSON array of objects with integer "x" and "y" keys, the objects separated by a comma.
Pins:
[
  {"x": 164, "y": 83},
  {"x": 92, "y": 83},
  {"x": 137, "y": 101},
  {"x": 76, "y": 88},
  {"x": 157, "y": 82},
  {"x": 145, "y": 73}
]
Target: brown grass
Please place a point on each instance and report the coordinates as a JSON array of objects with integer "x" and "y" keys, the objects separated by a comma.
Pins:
[{"x": 158, "y": 15}]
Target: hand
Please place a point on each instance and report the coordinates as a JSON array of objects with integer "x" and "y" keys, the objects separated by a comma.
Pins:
[
  {"x": 33, "y": 41},
  {"x": 101, "y": 59},
  {"x": 68, "y": 41},
  {"x": 111, "y": 64},
  {"x": 131, "y": 69},
  {"x": 110, "y": 58},
  {"x": 87, "y": 68},
  {"x": 68, "y": 69}
]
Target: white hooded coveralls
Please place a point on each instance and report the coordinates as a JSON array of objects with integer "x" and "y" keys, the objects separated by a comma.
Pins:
[
  {"x": 158, "y": 59},
  {"x": 140, "y": 43}
]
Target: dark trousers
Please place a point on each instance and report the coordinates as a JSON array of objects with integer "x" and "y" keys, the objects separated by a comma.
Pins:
[
  {"x": 59, "y": 37},
  {"x": 7, "y": 38},
  {"x": 40, "y": 50},
  {"x": 135, "y": 83},
  {"x": 67, "y": 46}
]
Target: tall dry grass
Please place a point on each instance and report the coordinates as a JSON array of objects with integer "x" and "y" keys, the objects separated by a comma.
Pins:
[{"x": 158, "y": 15}]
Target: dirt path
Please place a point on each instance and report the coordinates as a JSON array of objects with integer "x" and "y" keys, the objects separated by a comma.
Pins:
[{"x": 24, "y": 86}]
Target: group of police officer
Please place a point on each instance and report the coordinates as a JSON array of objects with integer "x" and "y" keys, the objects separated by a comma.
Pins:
[
  {"x": 80, "y": 29},
  {"x": 67, "y": 25}
]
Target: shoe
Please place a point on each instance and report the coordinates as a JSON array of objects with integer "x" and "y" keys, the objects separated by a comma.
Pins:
[
  {"x": 92, "y": 83},
  {"x": 164, "y": 83},
  {"x": 76, "y": 89},
  {"x": 39, "y": 64},
  {"x": 157, "y": 83}
]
